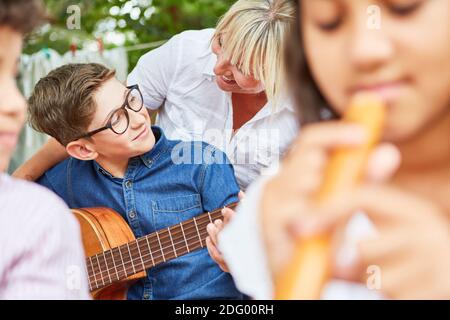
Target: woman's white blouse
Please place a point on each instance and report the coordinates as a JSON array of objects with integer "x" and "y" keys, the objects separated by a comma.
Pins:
[{"x": 178, "y": 80}]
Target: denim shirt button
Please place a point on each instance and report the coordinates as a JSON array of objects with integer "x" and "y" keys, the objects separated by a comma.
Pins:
[
  {"x": 132, "y": 214},
  {"x": 128, "y": 184}
]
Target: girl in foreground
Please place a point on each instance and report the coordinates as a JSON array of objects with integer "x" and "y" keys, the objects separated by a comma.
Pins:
[{"x": 338, "y": 51}]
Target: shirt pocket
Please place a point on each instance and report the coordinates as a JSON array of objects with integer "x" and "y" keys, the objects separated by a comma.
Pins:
[{"x": 173, "y": 210}]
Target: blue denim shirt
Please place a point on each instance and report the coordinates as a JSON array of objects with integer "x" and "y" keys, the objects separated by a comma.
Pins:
[{"x": 156, "y": 192}]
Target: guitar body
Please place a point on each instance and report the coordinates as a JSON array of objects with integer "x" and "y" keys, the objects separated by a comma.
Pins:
[{"x": 103, "y": 229}]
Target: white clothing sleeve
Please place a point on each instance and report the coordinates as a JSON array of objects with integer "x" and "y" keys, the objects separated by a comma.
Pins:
[
  {"x": 241, "y": 244},
  {"x": 155, "y": 71}
]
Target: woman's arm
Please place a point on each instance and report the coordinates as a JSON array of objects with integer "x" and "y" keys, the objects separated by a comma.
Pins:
[{"x": 49, "y": 155}]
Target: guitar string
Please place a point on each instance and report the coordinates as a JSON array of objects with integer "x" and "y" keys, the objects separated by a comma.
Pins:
[
  {"x": 105, "y": 274},
  {"x": 167, "y": 245},
  {"x": 128, "y": 271},
  {"x": 162, "y": 235},
  {"x": 105, "y": 279},
  {"x": 154, "y": 242},
  {"x": 97, "y": 270}
]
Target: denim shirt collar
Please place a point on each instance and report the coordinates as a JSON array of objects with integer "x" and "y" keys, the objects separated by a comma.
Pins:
[
  {"x": 148, "y": 158},
  {"x": 161, "y": 146}
]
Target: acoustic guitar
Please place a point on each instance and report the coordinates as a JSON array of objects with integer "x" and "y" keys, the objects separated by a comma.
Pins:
[{"x": 115, "y": 259}]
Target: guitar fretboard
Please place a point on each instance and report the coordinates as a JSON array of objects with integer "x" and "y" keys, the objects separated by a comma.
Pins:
[{"x": 143, "y": 253}]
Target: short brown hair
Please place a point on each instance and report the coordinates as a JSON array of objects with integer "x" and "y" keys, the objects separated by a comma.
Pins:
[
  {"x": 22, "y": 15},
  {"x": 62, "y": 104}
]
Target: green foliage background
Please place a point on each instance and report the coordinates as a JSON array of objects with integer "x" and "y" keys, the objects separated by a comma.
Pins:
[{"x": 130, "y": 18}]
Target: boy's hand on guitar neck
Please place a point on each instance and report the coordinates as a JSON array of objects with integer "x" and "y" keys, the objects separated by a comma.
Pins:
[{"x": 213, "y": 233}]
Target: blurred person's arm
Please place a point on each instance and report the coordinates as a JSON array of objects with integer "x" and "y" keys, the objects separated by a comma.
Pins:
[
  {"x": 241, "y": 245},
  {"x": 256, "y": 243},
  {"x": 408, "y": 254},
  {"x": 42, "y": 255},
  {"x": 48, "y": 156}
]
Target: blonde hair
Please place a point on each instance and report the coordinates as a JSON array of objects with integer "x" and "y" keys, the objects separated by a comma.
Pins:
[{"x": 256, "y": 32}]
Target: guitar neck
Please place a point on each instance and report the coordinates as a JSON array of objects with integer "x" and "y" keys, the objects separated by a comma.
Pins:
[{"x": 119, "y": 263}]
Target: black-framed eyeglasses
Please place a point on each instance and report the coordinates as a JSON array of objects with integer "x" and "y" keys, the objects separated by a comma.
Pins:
[{"x": 119, "y": 120}]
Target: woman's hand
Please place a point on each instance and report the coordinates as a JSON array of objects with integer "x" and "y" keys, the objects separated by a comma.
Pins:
[
  {"x": 410, "y": 256},
  {"x": 213, "y": 233},
  {"x": 49, "y": 155}
]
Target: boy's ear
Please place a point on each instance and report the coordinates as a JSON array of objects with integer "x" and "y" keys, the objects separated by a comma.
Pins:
[{"x": 81, "y": 150}]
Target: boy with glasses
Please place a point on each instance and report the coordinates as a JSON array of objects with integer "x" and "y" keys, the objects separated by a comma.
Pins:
[{"x": 119, "y": 161}]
